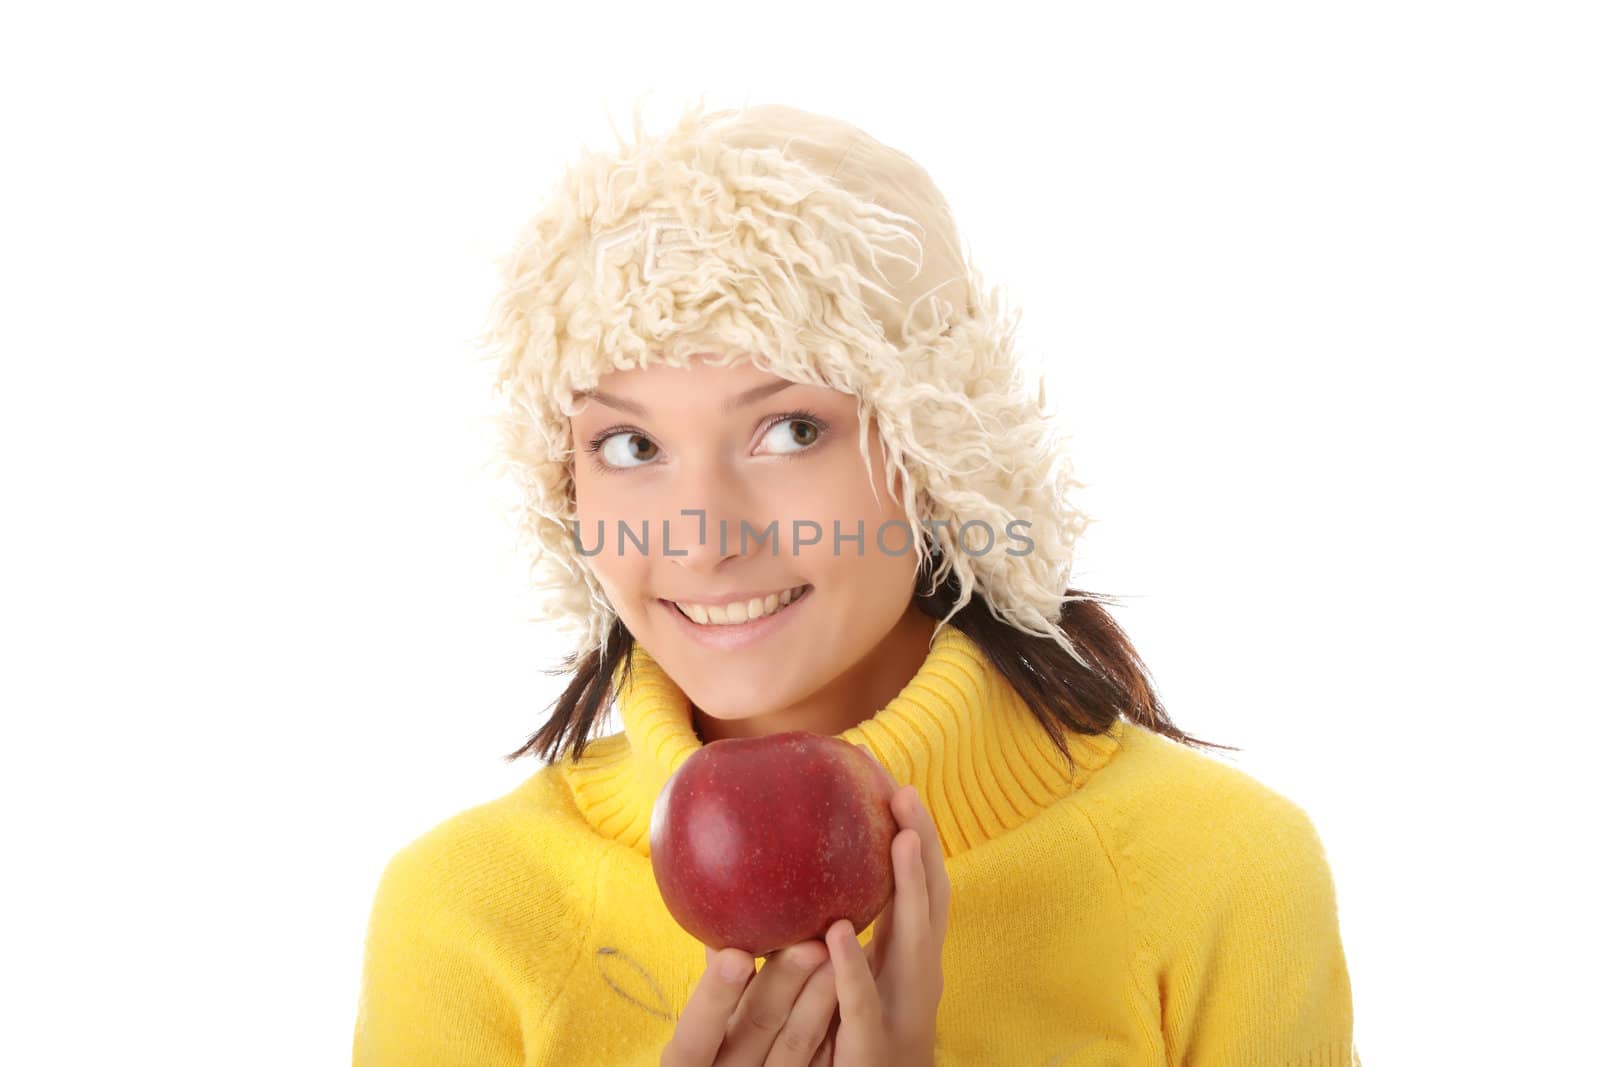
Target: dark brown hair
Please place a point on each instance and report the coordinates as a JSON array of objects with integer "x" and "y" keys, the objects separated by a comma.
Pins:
[{"x": 1061, "y": 692}]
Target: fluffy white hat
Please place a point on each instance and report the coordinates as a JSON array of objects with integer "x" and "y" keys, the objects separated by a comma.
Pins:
[{"x": 800, "y": 243}]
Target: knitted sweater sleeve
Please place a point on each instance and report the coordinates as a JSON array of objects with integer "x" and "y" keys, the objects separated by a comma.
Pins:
[
  {"x": 432, "y": 993},
  {"x": 1263, "y": 981}
]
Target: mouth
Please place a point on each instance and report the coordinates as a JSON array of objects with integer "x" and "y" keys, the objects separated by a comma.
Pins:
[
  {"x": 716, "y": 628},
  {"x": 741, "y": 613}
]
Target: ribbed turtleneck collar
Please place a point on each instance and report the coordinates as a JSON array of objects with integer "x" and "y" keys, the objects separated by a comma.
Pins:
[{"x": 958, "y": 731}]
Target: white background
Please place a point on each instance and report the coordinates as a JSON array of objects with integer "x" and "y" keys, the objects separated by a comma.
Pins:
[{"x": 1315, "y": 284}]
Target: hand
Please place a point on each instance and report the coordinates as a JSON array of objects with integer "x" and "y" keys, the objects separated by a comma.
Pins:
[
  {"x": 780, "y": 1018},
  {"x": 889, "y": 994}
]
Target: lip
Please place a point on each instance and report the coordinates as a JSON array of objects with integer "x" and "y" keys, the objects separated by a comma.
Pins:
[{"x": 737, "y": 635}]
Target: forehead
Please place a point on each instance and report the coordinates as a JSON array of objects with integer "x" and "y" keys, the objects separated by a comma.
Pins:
[{"x": 727, "y": 380}]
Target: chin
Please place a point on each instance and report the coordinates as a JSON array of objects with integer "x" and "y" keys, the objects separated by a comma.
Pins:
[{"x": 734, "y": 702}]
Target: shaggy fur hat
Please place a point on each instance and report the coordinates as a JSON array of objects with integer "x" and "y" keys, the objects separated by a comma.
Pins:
[{"x": 800, "y": 243}]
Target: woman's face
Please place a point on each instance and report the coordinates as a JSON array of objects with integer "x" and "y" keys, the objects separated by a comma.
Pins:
[{"x": 654, "y": 446}]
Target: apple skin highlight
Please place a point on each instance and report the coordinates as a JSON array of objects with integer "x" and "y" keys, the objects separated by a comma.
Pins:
[{"x": 763, "y": 842}]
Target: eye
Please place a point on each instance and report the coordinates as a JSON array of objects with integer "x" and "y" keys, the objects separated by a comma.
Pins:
[
  {"x": 620, "y": 449},
  {"x": 794, "y": 433},
  {"x": 625, "y": 447}
]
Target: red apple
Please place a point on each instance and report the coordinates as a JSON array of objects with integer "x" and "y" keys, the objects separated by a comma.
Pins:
[{"x": 762, "y": 842}]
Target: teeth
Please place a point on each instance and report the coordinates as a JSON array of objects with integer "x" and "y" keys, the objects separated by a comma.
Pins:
[{"x": 741, "y": 611}]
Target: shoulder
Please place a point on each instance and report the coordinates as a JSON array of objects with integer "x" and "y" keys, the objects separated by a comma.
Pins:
[
  {"x": 1233, "y": 904},
  {"x": 472, "y": 920},
  {"x": 519, "y": 849},
  {"x": 1185, "y": 823},
  {"x": 1155, "y": 783}
]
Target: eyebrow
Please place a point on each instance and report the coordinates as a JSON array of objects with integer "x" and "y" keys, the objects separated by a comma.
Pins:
[{"x": 749, "y": 396}]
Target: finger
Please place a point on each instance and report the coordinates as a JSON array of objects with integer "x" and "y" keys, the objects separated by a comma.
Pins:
[
  {"x": 859, "y": 1006},
  {"x": 912, "y": 951},
  {"x": 935, "y": 878},
  {"x": 758, "y": 1020},
  {"x": 806, "y": 1030},
  {"x": 882, "y": 937},
  {"x": 704, "y": 1021},
  {"x": 823, "y": 1057},
  {"x": 878, "y": 948}
]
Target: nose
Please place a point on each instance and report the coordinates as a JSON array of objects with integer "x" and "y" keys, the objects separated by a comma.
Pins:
[
  {"x": 699, "y": 556},
  {"x": 715, "y": 523}
]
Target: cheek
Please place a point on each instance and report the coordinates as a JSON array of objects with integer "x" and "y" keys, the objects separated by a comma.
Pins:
[
  {"x": 864, "y": 565},
  {"x": 627, "y": 586},
  {"x": 597, "y": 502},
  {"x": 597, "y": 497}
]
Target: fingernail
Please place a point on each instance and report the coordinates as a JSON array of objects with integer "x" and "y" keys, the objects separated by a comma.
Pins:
[{"x": 733, "y": 969}]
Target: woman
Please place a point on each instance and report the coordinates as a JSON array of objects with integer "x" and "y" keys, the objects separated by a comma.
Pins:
[{"x": 692, "y": 333}]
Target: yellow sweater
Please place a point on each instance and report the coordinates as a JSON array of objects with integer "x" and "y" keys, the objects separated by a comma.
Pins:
[{"x": 1158, "y": 906}]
